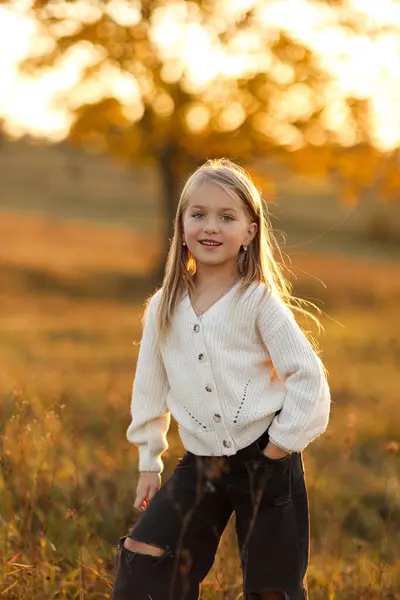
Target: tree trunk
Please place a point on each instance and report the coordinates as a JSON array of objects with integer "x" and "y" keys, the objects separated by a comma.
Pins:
[{"x": 167, "y": 164}]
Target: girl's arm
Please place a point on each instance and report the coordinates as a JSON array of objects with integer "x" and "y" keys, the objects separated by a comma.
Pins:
[
  {"x": 306, "y": 406},
  {"x": 150, "y": 415}
]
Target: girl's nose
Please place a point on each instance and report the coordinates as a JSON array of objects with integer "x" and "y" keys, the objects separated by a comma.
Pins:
[{"x": 210, "y": 229}]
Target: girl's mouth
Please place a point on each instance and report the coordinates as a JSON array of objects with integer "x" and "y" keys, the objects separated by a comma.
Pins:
[{"x": 210, "y": 244}]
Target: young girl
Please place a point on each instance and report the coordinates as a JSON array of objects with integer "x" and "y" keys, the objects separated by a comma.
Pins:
[{"x": 222, "y": 353}]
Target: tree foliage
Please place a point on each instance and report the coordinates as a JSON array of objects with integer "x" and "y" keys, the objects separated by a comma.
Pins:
[{"x": 265, "y": 96}]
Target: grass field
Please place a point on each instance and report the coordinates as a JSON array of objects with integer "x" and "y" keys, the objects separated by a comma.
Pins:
[{"x": 70, "y": 310}]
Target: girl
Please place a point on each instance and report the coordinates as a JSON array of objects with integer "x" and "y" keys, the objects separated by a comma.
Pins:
[{"x": 222, "y": 352}]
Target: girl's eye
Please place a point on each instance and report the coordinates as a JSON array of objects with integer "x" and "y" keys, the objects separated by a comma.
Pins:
[{"x": 199, "y": 215}]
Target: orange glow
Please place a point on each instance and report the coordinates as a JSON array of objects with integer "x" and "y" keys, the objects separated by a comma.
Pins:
[{"x": 363, "y": 66}]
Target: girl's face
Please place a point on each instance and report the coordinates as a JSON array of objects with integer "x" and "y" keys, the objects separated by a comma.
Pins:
[{"x": 212, "y": 215}]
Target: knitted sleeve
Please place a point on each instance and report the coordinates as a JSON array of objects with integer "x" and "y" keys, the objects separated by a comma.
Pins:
[
  {"x": 150, "y": 416},
  {"x": 306, "y": 406}
]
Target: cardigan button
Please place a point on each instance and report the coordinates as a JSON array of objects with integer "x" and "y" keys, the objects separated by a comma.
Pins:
[
  {"x": 217, "y": 417},
  {"x": 196, "y": 328},
  {"x": 201, "y": 356},
  {"x": 208, "y": 388},
  {"x": 227, "y": 444}
]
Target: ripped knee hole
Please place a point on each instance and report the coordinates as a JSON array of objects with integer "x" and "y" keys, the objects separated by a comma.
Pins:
[{"x": 142, "y": 548}]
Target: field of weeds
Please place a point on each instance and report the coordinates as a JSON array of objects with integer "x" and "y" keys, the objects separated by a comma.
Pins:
[{"x": 70, "y": 310}]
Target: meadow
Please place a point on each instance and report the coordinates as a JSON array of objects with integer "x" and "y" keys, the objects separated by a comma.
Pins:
[{"x": 71, "y": 302}]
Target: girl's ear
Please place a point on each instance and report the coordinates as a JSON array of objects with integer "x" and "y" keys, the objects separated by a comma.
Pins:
[{"x": 252, "y": 230}]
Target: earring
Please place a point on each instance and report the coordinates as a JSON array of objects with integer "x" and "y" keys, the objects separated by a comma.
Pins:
[
  {"x": 244, "y": 248},
  {"x": 184, "y": 243}
]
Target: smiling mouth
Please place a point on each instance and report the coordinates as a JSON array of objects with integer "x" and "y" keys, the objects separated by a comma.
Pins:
[{"x": 205, "y": 243}]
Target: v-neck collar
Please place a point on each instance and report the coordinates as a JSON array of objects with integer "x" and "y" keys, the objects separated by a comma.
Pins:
[{"x": 214, "y": 307}]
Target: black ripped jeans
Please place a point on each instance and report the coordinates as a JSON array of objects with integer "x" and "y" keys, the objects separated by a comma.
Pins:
[{"x": 189, "y": 513}]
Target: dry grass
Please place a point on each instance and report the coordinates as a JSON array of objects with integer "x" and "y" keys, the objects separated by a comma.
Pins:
[
  {"x": 67, "y": 473},
  {"x": 73, "y": 246}
]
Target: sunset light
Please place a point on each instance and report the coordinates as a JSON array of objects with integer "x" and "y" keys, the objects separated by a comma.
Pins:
[
  {"x": 364, "y": 65},
  {"x": 200, "y": 285}
]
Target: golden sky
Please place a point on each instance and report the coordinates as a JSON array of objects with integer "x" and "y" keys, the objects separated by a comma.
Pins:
[{"x": 363, "y": 66}]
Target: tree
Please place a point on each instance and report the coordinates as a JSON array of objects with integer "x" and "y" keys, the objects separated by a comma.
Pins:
[{"x": 269, "y": 98}]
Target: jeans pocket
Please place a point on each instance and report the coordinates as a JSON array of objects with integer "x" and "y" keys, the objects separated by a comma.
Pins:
[
  {"x": 275, "y": 476},
  {"x": 187, "y": 460},
  {"x": 267, "y": 458}
]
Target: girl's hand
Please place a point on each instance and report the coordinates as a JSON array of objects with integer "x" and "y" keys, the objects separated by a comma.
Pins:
[
  {"x": 272, "y": 451},
  {"x": 148, "y": 485}
]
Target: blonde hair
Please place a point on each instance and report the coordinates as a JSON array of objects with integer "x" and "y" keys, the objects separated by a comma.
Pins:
[{"x": 256, "y": 265}]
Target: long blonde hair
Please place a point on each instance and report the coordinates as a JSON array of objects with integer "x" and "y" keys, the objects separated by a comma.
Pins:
[{"x": 256, "y": 265}]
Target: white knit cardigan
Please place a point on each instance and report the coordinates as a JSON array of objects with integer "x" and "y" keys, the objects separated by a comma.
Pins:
[{"x": 211, "y": 376}]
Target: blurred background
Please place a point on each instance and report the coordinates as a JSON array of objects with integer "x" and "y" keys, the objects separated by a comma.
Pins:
[{"x": 105, "y": 109}]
